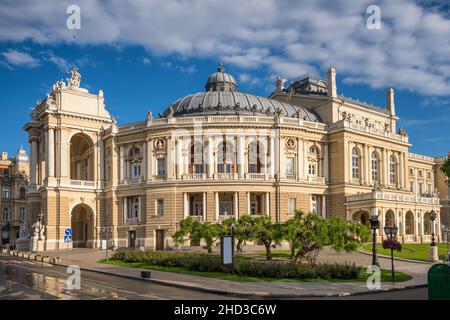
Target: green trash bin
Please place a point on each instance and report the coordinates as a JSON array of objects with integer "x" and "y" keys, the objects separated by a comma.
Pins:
[{"x": 439, "y": 282}]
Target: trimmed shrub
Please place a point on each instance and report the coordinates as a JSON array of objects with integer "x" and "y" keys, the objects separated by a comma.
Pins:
[{"x": 242, "y": 267}]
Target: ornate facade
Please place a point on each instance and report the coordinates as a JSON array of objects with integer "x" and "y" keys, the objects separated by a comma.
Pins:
[
  {"x": 222, "y": 153},
  {"x": 13, "y": 204}
]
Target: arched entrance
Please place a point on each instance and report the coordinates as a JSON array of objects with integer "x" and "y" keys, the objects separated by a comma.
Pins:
[
  {"x": 81, "y": 157},
  {"x": 409, "y": 223},
  {"x": 362, "y": 217},
  {"x": 82, "y": 222}
]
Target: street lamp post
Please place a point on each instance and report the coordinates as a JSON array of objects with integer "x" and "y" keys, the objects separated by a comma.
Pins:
[
  {"x": 391, "y": 233},
  {"x": 433, "y": 248},
  {"x": 105, "y": 230},
  {"x": 374, "y": 225}
]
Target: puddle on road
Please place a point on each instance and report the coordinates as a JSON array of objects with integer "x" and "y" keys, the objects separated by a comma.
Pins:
[{"x": 49, "y": 285}]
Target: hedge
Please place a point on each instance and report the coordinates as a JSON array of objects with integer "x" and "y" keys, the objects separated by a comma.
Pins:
[{"x": 251, "y": 268}]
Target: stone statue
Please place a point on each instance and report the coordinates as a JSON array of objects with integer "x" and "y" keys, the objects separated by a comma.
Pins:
[
  {"x": 402, "y": 132},
  {"x": 149, "y": 116},
  {"x": 75, "y": 79},
  {"x": 279, "y": 84},
  {"x": 170, "y": 113},
  {"x": 386, "y": 127},
  {"x": 38, "y": 229},
  {"x": 24, "y": 231}
]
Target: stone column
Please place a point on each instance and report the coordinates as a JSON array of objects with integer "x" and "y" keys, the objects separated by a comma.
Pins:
[
  {"x": 33, "y": 162},
  {"x": 101, "y": 157},
  {"x": 204, "y": 206},
  {"x": 385, "y": 167},
  {"x": 272, "y": 156},
  {"x": 248, "y": 203},
  {"x": 179, "y": 159},
  {"x": 400, "y": 171},
  {"x": 266, "y": 203},
  {"x": 186, "y": 205},
  {"x": 122, "y": 164},
  {"x": 351, "y": 145},
  {"x": 240, "y": 156},
  {"x": 210, "y": 158},
  {"x": 324, "y": 206},
  {"x": 216, "y": 206},
  {"x": 406, "y": 170},
  {"x": 422, "y": 227},
  {"x": 364, "y": 165},
  {"x": 403, "y": 222},
  {"x": 144, "y": 162},
  {"x": 305, "y": 159},
  {"x": 300, "y": 174},
  {"x": 235, "y": 205},
  {"x": 281, "y": 163},
  {"x": 325, "y": 162},
  {"x": 149, "y": 159},
  {"x": 170, "y": 163},
  {"x": 50, "y": 153},
  {"x": 369, "y": 158}
]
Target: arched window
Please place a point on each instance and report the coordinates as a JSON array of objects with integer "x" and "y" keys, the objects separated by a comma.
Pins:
[
  {"x": 225, "y": 157},
  {"x": 409, "y": 223},
  {"x": 392, "y": 170},
  {"x": 81, "y": 157},
  {"x": 196, "y": 158},
  {"x": 355, "y": 163},
  {"x": 375, "y": 167},
  {"x": 427, "y": 224},
  {"x": 22, "y": 193},
  {"x": 254, "y": 154}
]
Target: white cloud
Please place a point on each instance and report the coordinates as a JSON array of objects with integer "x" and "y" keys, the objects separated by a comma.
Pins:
[
  {"x": 16, "y": 58},
  {"x": 179, "y": 68},
  {"x": 410, "y": 51},
  {"x": 146, "y": 61}
]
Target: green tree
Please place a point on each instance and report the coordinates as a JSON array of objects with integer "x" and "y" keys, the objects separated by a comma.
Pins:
[
  {"x": 445, "y": 169},
  {"x": 244, "y": 231},
  {"x": 310, "y": 237},
  {"x": 197, "y": 231},
  {"x": 268, "y": 233},
  {"x": 345, "y": 235}
]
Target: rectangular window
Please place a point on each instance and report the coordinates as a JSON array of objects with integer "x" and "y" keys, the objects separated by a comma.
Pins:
[
  {"x": 292, "y": 205},
  {"x": 161, "y": 165},
  {"x": 132, "y": 207},
  {"x": 5, "y": 215},
  {"x": 160, "y": 207},
  {"x": 136, "y": 170},
  {"x": 290, "y": 166},
  {"x": 5, "y": 193},
  {"x": 411, "y": 186},
  {"x": 312, "y": 169},
  {"x": 429, "y": 175},
  {"x": 420, "y": 189},
  {"x": 255, "y": 204},
  {"x": 411, "y": 171},
  {"x": 21, "y": 214}
]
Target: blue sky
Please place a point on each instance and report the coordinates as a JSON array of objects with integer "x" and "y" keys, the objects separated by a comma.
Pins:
[{"x": 152, "y": 53}]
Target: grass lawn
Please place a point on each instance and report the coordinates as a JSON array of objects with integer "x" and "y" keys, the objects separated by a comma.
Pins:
[
  {"x": 385, "y": 274},
  {"x": 414, "y": 251}
]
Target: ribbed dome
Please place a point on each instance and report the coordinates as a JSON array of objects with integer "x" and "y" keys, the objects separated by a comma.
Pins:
[
  {"x": 221, "y": 98},
  {"x": 221, "y": 81}
]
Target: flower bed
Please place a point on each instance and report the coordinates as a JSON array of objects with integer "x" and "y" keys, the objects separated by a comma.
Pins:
[{"x": 250, "y": 268}]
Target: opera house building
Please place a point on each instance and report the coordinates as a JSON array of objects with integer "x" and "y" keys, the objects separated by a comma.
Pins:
[{"x": 219, "y": 153}]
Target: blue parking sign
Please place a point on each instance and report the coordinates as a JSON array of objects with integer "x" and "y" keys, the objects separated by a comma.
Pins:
[{"x": 68, "y": 235}]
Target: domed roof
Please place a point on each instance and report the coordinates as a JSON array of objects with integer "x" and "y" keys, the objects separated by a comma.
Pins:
[
  {"x": 221, "y": 98},
  {"x": 21, "y": 156},
  {"x": 221, "y": 81}
]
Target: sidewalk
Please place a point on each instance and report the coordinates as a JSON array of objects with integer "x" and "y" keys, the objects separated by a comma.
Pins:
[{"x": 86, "y": 259}]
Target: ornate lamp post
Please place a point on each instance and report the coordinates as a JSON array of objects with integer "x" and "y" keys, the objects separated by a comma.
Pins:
[
  {"x": 374, "y": 225},
  {"x": 391, "y": 233},
  {"x": 433, "y": 248}
]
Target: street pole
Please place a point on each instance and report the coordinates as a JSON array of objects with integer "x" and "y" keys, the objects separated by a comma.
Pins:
[
  {"x": 392, "y": 265},
  {"x": 107, "y": 239}
]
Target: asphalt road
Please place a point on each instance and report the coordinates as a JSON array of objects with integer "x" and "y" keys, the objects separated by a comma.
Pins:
[{"x": 22, "y": 279}]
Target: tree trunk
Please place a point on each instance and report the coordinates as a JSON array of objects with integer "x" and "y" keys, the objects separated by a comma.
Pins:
[
  {"x": 268, "y": 250},
  {"x": 239, "y": 246},
  {"x": 292, "y": 249}
]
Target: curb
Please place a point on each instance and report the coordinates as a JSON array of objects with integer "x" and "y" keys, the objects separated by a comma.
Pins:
[
  {"x": 244, "y": 294},
  {"x": 398, "y": 259}
]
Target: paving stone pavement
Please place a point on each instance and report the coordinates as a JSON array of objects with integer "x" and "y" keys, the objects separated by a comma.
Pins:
[{"x": 87, "y": 259}]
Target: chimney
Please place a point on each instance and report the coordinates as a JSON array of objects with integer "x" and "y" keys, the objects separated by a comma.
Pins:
[
  {"x": 390, "y": 104},
  {"x": 332, "y": 82}
]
